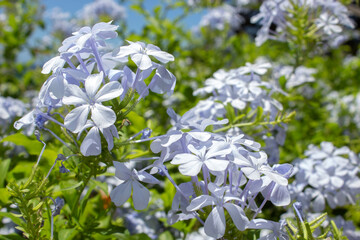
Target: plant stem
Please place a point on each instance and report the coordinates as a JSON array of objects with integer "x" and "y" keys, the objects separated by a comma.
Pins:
[{"x": 76, "y": 203}]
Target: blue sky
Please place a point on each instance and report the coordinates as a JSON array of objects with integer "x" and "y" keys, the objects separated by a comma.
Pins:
[{"x": 134, "y": 20}]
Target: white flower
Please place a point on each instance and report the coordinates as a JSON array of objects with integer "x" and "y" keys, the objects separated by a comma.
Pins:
[
  {"x": 131, "y": 178},
  {"x": 215, "y": 223},
  {"x": 190, "y": 164},
  {"x": 91, "y": 145},
  {"x": 91, "y": 100},
  {"x": 139, "y": 53},
  {"x": 328, "y": 24},
  {"x": 258, "y": 68}
]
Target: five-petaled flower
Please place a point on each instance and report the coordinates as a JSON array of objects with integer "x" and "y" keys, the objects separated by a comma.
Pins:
[{"x": 90, "y": 100}]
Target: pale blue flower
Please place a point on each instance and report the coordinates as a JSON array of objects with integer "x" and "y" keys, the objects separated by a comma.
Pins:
[
  {"x": 131, "y": 183},
  {"x": 257, "y": 68},
  {"x": 215, "y": 223},
  {"x": 91, "y": 145},
  {"x": 191, "y": 164},
  {"x": 87, "y": 36},
  {"x": 90, "y": 101},
  {"x": 140, "y": 54},
  {"x": 93, "y": 11},
  {"x": 217, "y": 18},
  {"x": 328, "y": 23},
  {"x": 276, "y": 231}
]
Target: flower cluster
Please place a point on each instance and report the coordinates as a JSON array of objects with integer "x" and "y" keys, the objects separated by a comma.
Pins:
[
  {"x": 239, "y": 169},
  {"x": 241, "y": 88},
  {"x": 295, "y": 77},
  {"x": 328, "y": 175},
  {"x": 100, "y": 77},
  {"x": 10, "y": 108},
  {"x": 61, "y": 21},
  {"x": 329, "y": 17},
  {"x": 344, "y": 109},
  {"x": 91, "y": 13},
  {"x": 219, "y": 17}
]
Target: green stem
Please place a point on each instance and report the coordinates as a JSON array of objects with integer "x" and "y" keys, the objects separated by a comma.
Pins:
[
  {"x": 247, "y": 124},
  {"x": 76, "y": 202},
  {"x": 48, "y": 212}
]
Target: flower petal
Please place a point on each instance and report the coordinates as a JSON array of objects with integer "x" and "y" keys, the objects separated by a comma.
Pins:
[
  {"x": 76, "y": 119},
  {"x": 142, "y": 61},
  {"x": 238, "y": 216},
  {"x": 74, "y": 95},
  {"x": 216, "y": 164},
  {"x": 141, "y": 196},
  {"x": 102, "y": 116},
  {"x": 129, "y": 50},
  {"x": 121, "y": 193},
  {"x": 280, "y": 196},
  {"x": 217, "y": 149},
  {"x": 215, "y": 223},
  {"x": 146, "y": 177},
  {"x": 200, "y": 202},
  {"x": 162, "y": 56},
  {"x": 92, "y": 84},
  {"x": 121, "y": 171},
  {"x": 91, "y": 145},
  {"x": 25, "y": 120},
  {"x": 191, "y": 168},
  {"x": 109, "y": 91}
]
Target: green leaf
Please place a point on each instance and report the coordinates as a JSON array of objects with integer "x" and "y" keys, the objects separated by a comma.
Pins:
[
  {"x": 32, "y": 146},
  {"x": 230, "y": 113},
  {"x": 20, "y": 171},
  {"x": 67, "y": 234},
  {"x": 71, "y": 187},
  {"x": 13, "y": 236},
  {"x": 4, "y": 168},
  {"x": 16, "y": 220},
  {"x": 259, "y": 114},
  {"x": 4, "y": 196},
  {"x": 166, "y": 236},
  {"x": 137, "y": 122},
  {"x": 37, "y": 207}
]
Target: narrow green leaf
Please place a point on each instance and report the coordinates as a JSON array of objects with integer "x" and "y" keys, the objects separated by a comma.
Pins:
[
  {"x": 309, "y": 232},
  {"x": 15, "y": 219},
  {"x": 259, "y": 114},
  {"x": 37, "y": 207},
  {"x": 291, "y": 226},
  {"x": 319, "y": 218},
  {"x": 4, "y": 168},
  {"x": 67, "y": 234},
  {"x": 71, "y": 187},
  {"x": 165, "y": 236}
]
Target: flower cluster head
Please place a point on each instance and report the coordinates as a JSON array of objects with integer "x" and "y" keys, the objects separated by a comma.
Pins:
[
  {"x": 327, "y": 175},
  {"x": 88, "y": 77},
  {"x": 233, "y": 169},
  {"x": 295, "y": 77},
  {"x": 344, "y": 110},
  {"x": 61, "y": 21},
  {"x": 241, "y": 88},
  {"x": 234, "y": 172},
  {"x": 93, "y": 12},
  {"x": 219, "y": 17},
  {"x": 328, "y": 16},
  {"x": 10, "y": 108},
  {"x": 65, "y": 23}
]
